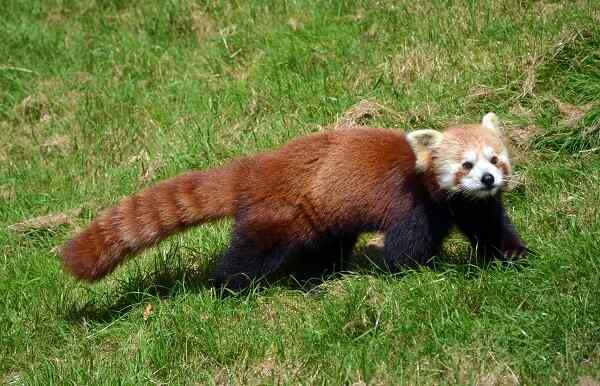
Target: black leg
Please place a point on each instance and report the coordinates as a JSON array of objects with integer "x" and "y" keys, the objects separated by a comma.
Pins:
[
  {"x": 413, "y": 239},
  {"x": 488, "y": 227},
  {"x": 245, "y": 262},
  {"x": 322, "y": 257}
]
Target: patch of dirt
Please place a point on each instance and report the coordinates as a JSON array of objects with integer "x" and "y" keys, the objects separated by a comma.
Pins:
[
  {"x": 519, "y": 140},
  {"x": 522, "y": 136},
  {"x": 361, "y": 113},
  {"x": 51, "y": 103},
  {"x": 50, "y": 221},
  {"x": 57, "y": 143},
  {"x": 269, "y": 312},
  {"x": 242, "y": 69},
  {"x": 499, "y": 376},
  {"x": 117, "y": 73},
  {"x": 270, "y": 368},
  {"x": 469, "y": 369},
  {"x": 266, "y": 367},
  {"x": 256, "y": 105},
  {"x": 34, "y": 107},
  {"x": 571, "y": 113},
  {"x": 521, "y": 111},
  {"x": 203, "y": 25},
  {"x": 49, "y": 85},
  {"x": 221, "y": 377},
  {"x": 587, "y": 381},
  {"x": 70, "y": 100},
  {"x": 481, "y": 92}
]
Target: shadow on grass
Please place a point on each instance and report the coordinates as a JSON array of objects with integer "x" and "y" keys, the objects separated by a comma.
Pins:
[{"x": 174, "y": 274}]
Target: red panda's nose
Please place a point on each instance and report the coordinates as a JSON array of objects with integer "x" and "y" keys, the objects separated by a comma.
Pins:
[{"x": 488, "y": 180}]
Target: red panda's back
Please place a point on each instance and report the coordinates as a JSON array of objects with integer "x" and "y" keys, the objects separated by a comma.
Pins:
[
  {"x": 362, "y": 170},
  {"x": 323, "y": 179}
]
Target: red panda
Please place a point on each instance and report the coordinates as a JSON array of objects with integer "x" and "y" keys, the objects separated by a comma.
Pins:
[{"x": 300, "y": 209}]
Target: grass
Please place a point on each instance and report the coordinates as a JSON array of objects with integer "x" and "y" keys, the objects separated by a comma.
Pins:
[{"x": 98, "y": 99}]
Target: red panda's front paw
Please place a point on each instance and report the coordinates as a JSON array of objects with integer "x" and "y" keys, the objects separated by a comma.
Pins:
[{"x": 515, "y": 250}]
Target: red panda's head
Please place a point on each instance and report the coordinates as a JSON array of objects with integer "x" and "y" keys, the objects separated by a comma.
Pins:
[{"x": 470, "y": 159}]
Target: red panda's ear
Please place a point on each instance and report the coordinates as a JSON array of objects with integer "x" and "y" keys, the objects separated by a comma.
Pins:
[
  {"x": 422, "y": 143},
  {"x": 491, "y": 122}
]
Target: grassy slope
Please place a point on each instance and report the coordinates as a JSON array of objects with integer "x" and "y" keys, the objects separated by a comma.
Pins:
[{"x": 100, "y": 99}]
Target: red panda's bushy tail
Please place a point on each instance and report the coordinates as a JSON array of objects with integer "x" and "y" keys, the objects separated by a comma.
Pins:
[{"x": 147, "y": 217}]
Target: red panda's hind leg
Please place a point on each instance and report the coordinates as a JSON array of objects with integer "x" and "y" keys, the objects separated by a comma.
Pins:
[
  {"x": 246, "y": 262},
  {"x": 322, "y": 256}
]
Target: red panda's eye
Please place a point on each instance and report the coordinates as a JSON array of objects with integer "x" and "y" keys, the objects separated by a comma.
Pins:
[
  {"x": 494, "y": 160},
  {"x": 467, "y": 165}
]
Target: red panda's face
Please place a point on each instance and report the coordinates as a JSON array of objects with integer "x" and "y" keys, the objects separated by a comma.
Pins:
[
  {"x": 472, "y": 160},
  {"x": 467, "y": 159}
]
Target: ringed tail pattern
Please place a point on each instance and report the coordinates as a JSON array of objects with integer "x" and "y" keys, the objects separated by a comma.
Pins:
[{"x": 147, "y": 217}]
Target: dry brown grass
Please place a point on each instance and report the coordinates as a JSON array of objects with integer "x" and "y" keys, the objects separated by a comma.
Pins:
[
  {"x": 148, "y": 166},
  {"x": 272, "y": 370},
  {"x": 588, "y": 381},
  {"x": 522, "y": 136},
  {"x": 571, "y": 113},
  {"x": 35, "y": 107},
  {"x": 416, "y": 63},
  {"x": 203, "y": 25},
  {"x": 470, "y": 369},
  {"x": 541, "y": 56},
  {"x": 480, "y": 92},
  {"x": 7, "y": 193},
  {"x": 362, "y": 113},
  {"x": 47, "y": 222},
  {"x": 56, "y": 143}
]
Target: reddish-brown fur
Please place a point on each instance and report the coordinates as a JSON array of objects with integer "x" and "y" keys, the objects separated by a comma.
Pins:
[
  {"x": 311, "y": 185},
  {"x": 300, "y": 209}
]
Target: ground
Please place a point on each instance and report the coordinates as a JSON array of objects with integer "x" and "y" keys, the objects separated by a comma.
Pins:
[{"x": 101, "y": 98}]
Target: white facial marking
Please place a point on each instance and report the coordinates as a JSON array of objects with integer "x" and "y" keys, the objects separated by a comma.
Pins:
[
  {"x": 504, "y": 157},
  {"x": 470, "y": 156},
  {"x": 446, "y": 176},
  {"x": 471, "y": 182},
  {"x": 488, "y": 152}
]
